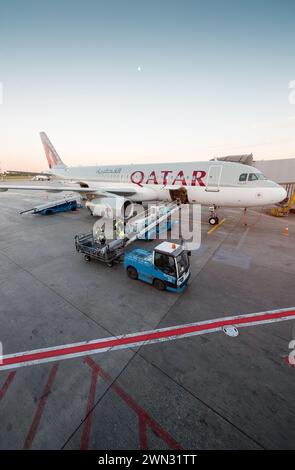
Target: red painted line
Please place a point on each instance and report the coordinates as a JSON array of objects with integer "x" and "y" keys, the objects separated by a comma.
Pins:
[
  {"x": 142, "y": 414},
  {"x": 90, "y": 406},
  {"x": 40, "y": 408},
  {"x": 288, "y": 362},
  {"x": 6, "y": 384},
  {"x": 144, "y": 337},
  {"x": 142, "y": 433}
]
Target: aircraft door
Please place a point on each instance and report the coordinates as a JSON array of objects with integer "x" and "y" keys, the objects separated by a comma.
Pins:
[{"x": 213, "y": 178}]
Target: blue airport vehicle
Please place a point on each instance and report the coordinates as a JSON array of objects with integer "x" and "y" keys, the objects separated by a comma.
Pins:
[
  {"x": 52, "y": 207},
  {"x": 167, "y": 267},
  {"x": 152, "y": 233}
]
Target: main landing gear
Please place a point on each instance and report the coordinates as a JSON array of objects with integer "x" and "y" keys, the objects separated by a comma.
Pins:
[{"x": 213, "y": 219}]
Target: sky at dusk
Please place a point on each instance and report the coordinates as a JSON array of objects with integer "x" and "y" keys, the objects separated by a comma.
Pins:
[{"x": 145, "y": 81}]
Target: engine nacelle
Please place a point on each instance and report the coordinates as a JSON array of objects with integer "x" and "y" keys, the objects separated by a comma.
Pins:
[{"x": 110, "y": 207}]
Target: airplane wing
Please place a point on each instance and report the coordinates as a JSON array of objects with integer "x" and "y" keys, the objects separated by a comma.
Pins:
[
  {"x": 99, "y": 192},
  {"x": 103, "y": 191},
  {"x": 27, "y": 173}
]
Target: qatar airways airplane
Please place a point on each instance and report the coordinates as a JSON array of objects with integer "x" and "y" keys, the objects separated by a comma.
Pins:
[{"x": 212, "y": 183}]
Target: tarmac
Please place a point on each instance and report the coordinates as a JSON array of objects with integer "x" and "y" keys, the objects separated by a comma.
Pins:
[{"x": 203, "y": 392}]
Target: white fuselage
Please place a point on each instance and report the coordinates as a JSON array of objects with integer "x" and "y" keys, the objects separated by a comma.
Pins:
[{"x": 216, "y": 183}]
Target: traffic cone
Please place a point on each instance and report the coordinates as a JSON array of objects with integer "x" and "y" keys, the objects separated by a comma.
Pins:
[{"x": 286, "y": 231}]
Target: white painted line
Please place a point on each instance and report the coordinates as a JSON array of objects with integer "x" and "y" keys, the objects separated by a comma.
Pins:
[{"x": 85, "y": 348}]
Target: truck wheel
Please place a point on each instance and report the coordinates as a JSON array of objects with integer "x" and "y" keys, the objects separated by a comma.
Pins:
[
  {"x": 132, "y": 273},
  {"x": 87, "y": 258},
  {"x": 159, "y": 285}
]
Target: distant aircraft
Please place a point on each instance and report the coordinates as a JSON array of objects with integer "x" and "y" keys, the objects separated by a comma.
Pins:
[
  {"x": 41, "y": 178},
  {"x": 212, "y": 183}
]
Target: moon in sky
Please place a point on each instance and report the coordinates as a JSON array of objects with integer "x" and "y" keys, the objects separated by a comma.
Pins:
[{"x": 139, "y": 69}]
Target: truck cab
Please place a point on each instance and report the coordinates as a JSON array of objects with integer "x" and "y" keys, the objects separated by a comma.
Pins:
[{"x": 167, "y": 267}]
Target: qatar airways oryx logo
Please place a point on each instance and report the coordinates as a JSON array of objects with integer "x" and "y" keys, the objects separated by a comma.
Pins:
[{"x": 167, "y": 177}]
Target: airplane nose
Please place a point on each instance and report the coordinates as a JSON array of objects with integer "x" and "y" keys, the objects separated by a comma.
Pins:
[{"x": 282, "y": 194}]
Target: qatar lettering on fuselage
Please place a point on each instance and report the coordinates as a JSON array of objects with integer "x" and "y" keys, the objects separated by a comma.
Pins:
[{"x": 138, "y": 177}]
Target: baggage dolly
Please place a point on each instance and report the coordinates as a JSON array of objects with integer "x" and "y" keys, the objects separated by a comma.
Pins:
[{"x": 108, "y": 252}]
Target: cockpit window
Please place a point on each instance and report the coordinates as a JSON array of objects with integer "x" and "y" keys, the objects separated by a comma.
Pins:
[
  {"x": 260, "y": 176},
  {"x": 253, "y": 177},
  {"x": 243, "y": 177}
]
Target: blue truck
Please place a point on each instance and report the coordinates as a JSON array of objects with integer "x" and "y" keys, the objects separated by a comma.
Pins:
[{"x": 167, "y": 267}]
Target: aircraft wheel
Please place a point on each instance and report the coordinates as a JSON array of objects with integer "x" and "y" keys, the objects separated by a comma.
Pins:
[
  {"x": 159, "y": 285},
  {"x": 213, "y": 220},
  {"x": 132, "y": 273},
  {"x": 87, "y": 258}
]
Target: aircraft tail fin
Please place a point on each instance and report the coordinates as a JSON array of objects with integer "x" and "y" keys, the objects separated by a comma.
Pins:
[{"x": 52, "y": 156}]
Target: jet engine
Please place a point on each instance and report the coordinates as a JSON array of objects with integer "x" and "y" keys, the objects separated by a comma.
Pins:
[{"x": 110, "y": 207}]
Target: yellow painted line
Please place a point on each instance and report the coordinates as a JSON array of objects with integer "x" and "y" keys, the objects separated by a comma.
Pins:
[{"x": 216, "y": 226}]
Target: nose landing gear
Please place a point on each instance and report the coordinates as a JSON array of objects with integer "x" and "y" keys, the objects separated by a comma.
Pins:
[
  {"x": 245, "y": 219},
  {"x": 213, "y": 219}
]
